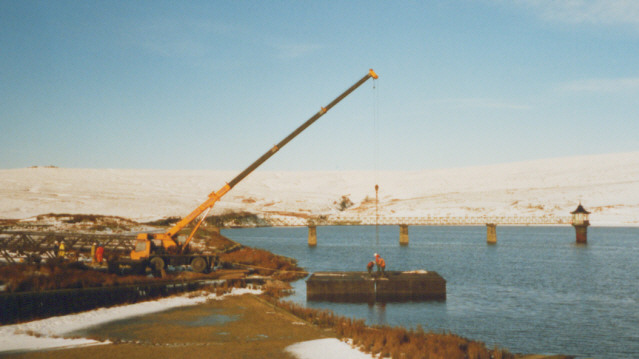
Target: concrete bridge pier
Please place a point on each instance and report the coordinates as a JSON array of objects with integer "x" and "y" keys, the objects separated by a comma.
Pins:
[
  {"x": 312, "y": 235},
  {"x": 491, "y": 233},
  {"x": 403, "y": 234}
]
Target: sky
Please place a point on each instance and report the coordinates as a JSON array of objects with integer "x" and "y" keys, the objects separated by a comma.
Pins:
[{"x": 212, "y": 85}]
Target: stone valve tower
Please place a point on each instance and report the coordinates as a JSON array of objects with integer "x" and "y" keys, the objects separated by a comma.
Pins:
[{"x": 581, "y": 222}]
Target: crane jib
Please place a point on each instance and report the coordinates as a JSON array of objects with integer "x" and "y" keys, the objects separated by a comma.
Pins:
[
  {"x": 214, "y": 196},
  {"x": 299, "y": 130}
]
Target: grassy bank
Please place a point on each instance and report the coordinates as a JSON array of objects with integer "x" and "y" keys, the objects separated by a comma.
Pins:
[{"x": 394, "y": 342}]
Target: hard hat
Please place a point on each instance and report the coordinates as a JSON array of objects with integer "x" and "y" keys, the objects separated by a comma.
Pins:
[{"x": 376, "y": 255}]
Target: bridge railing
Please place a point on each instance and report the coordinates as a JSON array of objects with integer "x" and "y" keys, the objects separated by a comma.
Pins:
[{"x": 415, "y": 221}]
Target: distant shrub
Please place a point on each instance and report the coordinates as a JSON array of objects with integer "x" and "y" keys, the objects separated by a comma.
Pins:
[
  {"x": 236, "y": 219},
  {"x": 169, "y": 221},
  {"x": 344, "y": 203}
]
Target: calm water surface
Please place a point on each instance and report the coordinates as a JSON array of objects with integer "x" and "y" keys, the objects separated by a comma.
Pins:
[{"x": 536, "y": 291}]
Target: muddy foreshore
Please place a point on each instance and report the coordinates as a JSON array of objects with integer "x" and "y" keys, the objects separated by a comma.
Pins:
[{"x": 235, "y": 327}]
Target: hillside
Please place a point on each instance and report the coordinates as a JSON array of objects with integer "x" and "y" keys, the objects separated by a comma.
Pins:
[{"x": 607, "y": 185}]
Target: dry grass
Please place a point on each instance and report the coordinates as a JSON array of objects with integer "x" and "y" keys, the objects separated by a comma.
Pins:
[
  {"x": 276, "y": 289},
  {"x": 396, "y": 342},
  {"x": 215, "y": 240},
  {"x": 265, "y": 263},
  {"x": 8, "y": 222},
  {"x": 49, "y": 276}
]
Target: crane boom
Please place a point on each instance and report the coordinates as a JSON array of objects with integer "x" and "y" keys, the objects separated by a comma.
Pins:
[
  {"x": 168, "y": 238},
  {"x": 216, "y": 195}
]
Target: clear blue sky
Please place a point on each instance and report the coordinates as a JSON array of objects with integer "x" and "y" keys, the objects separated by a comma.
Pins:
[{"x": 214, "y": 84}]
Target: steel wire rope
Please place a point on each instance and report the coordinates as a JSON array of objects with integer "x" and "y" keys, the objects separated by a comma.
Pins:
[{"x": 376, "y": 158}]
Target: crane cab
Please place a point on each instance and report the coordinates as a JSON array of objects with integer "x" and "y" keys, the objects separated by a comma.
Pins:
[
  {"x": 142, "y": 248},
  {"x": 147, "y": 245}
]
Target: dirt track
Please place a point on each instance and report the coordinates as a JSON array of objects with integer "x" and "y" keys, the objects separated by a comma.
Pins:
[{"x": 236, "y": 327}]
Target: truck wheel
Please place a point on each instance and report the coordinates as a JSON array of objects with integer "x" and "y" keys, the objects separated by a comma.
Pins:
[
  {"x": 199, "y": 265},
  {"x": 156, "y": 264}
]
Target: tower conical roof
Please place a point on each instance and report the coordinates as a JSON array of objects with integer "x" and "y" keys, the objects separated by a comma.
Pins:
[{"x": 580, "y": 209}]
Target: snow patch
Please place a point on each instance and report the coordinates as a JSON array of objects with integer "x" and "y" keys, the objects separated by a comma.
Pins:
[
  {"x": 326, "y": 348},
  {"x": 419, "y": 271},
  {"x": 50, "y": 333}
]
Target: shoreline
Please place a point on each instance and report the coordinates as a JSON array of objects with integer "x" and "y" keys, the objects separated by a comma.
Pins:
[
  {"x": 166, "y": 341},
  {"x": 234, "y": 326}
]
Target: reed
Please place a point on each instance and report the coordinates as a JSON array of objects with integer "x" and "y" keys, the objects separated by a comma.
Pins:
[
  {"x": 395, "y": 342},
  {"x": 31, "y": 277},
  {"x": 264, "y": 263}
]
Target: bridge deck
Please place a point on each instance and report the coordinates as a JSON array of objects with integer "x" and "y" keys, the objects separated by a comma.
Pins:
[{"x": 415, "y": 221}]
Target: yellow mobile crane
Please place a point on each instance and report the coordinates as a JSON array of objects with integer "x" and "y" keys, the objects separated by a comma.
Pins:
[{"x": 156, "y": 250}]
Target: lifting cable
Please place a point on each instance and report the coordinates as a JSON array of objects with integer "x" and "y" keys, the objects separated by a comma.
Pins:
[
  {"x": 376, "y": 217},
  {"x": 376, "y": 158}
]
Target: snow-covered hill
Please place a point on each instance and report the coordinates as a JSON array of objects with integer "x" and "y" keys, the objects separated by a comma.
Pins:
[{"x": 607, "y": 185}]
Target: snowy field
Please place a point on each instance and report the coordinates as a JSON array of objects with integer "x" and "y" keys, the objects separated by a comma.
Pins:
[{"x": 607, "y": 185}]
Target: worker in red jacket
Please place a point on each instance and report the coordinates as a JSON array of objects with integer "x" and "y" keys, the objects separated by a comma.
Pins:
[
  {"x": 99, "y": 253},
  {"x": 381, "y": 263},
  {"x": 370, "y": 266}
]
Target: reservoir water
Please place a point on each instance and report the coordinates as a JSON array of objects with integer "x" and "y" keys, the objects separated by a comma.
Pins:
[{"x": 536, "y": 291}]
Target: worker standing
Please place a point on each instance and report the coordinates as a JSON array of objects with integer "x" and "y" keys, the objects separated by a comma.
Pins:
[
  {"x": 61, "y": 251},
  {"x": 370, "y": 266},
  {"x": 381, "y": 263},
  {"x": 99, "y": 253},
  {"x": 93, "y": 246}
]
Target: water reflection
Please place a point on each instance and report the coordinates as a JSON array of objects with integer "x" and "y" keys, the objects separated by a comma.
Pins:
[
  {"x": 377, "y": 313},
  {"x": 536, "y": 290}
]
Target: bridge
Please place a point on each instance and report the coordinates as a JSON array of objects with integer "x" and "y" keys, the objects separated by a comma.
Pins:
[
  {"x": 490, "y": 222},
  {"x": 290, "y": 221}
]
